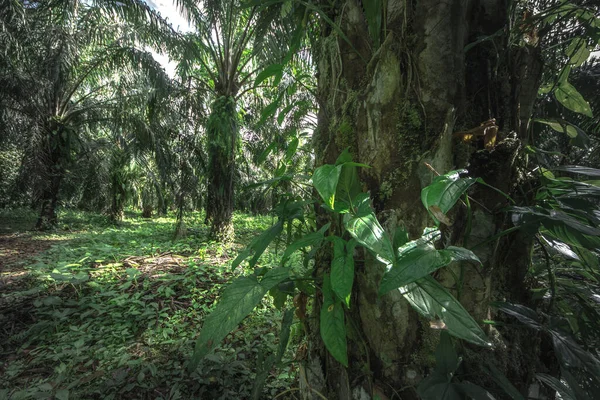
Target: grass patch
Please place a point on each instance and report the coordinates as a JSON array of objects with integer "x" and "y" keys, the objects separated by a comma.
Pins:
[{"x": 112, "y": 312}]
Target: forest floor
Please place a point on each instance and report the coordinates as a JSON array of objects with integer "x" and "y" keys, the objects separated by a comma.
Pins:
[{"x": 96, "y": 311}]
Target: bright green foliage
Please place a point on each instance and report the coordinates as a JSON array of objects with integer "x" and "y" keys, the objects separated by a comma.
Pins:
[
  {"x": 417, "y": 262},
  {"x": 342, "y": 268},
  {"x": 434, "y": 302},
  {"x": 117, "y": 311},
  {"x": 569, "y": 97},
  {"x": 325, "y": 180},
  {"x": 332, "y": 325},
  {"x": 238, "y": 300},
  {"x": 445, "y": 190},
  {"x": 366, "y": 229}
]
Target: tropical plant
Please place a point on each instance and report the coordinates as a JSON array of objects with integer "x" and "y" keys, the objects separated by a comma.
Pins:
[{"x": 58, "y": 79}]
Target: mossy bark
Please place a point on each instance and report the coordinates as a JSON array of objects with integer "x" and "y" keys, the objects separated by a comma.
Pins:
[
  {"x": 395, "y": 105},
  {"x": 222, "y": 138}
]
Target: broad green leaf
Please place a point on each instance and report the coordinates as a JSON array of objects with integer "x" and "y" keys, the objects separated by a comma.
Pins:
[
  {"x": 368, "y": 232},
  {"x": 325, "y": 180},
  {"x": 332, "y": 324},
  {"x": 271, "y": 70},
  {"x": 445, "y": 190},
  {"x": 524, "y": 314},
  {"x": 559, "y": 126},
  {"x": 432, "y": 300},
  {"x": 237, "y": 301},
  {"x": 419, "y": 262},
  {"x": 411, "y": 266},
  {"x": 569, "y": 97},
  {"x": 572, "y": 355},
  {"x": 563, "y": 390},
  {"x": 258, "y": 245},
  {"x": 559, "y": 225},
  {"x": 342, "y": 268},
  {"x": 577, "y": 52},
  {"x": 446, "y": 358},
  {"x": 348, "y": 185},
  {"x": 344, "y": 157},
  {"x": 311, "y": 239}
]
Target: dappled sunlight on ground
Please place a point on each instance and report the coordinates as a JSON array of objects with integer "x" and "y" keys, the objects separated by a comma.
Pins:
[{"x": 94, "y": 310}]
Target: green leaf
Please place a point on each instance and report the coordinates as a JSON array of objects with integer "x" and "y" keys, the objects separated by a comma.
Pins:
[
  {"x": 446, "y": 358},
  {"x": 237, "y": 301},
  {"x": 524, "y": 314},
  {"x": 367, "y": 231},
  {"x": 271, "y": 70},
  {"x": 325, "y": 180},
  {"x": 572, "y": 355},
  {"x": 411, "y": 266},
  {"x": 332, "y": 325},
  {"x": 577, "y": 52},
  {"x": 419, "y": 262},
  {"x": 342, "y": 268},
  {"x": 445, "y": 190},
  {"x": 559, "y": 126},
  {"x": 311, "y": 239},
  {"x": 569, "y": 97},
  {"x": 555, "y": 384},
  {"x": 432, "y": 300},
  {"x": 258, "y": 245},
  {"x": 348, "y": 184}
]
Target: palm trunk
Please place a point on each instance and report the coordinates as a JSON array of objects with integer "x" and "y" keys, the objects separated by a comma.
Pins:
[
  {"x": 48, "y": 218},
  {"x": 402, "y": 99},
  {"x": 222, "y": 135}
]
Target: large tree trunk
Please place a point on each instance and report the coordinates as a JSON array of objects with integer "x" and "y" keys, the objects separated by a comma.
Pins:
[
  {"x": 395, "y": 104},
  {"x": 222, "y": 137},
  {"x": 49, "y": 199},
  {"x": 54, "y": 159}
]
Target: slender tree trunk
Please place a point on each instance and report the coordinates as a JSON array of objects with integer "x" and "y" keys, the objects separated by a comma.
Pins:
[
  {"x": 222, "y": 135},
  {"x": 395, "y": 102},
  {"x": 117, "y": 189}
]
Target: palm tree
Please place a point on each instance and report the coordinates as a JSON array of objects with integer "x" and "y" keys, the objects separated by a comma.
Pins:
[
  {"x": 58, "y": 77},
  {"x": 223, "y": 59}
]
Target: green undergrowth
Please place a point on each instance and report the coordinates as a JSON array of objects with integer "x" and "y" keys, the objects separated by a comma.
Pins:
[{"x": 112, "y": 312}]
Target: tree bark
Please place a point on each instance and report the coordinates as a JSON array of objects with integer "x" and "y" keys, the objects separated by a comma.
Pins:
[
  {"x": 222, "y": 137},
  {"x": 54, "y": 156},
  {"x": 395, "y": 104}
]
